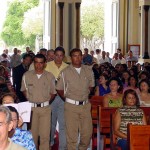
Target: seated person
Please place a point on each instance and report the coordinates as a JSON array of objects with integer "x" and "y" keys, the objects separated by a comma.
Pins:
[
  {"x": 129, "y": 113},
  {"x": 114, "y": 98},
  {"x": 144, "y": 94},
  {"x": 133, "y": 82},
  {"x": 8, "y": 98},
  {"x": 18, "y": 136},
  {"x": 6, "y": 125},
  {"x": 125, "y": 79},
  {"x": 11, "y": 98},
  {"x": 102, "y": 88}
]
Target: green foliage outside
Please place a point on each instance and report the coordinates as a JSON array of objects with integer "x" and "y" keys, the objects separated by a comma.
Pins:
[
  {"x": 92, "y": 24},
  {"x": 20, "y": 28},
  {"x": 12, "y": 32}
]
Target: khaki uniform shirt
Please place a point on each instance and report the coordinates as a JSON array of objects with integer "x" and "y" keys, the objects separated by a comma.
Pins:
[
  {"x": 51, "y": 67},
  {"x": 38, "y": 90},
  {"x": 75, "y": 85}
]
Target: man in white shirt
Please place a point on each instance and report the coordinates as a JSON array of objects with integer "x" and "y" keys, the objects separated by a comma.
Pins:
[
  {"x": 98, "y": 55},
  {"x": 103, "y": 59},
  {"x": 122, "y": 60},
  {"x": 115, "y": 60}
]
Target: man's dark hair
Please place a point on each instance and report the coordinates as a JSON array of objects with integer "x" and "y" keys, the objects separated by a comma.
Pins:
[
  {"x": 59, "y": 48},
  {"x": 13, "y": 109},
  {"x": 27, "y": 55},
  {"x": 86, "y": 49},
  {"x": 40, "y": 56},
  {"x": 119, "y": 49},
  {"x": 97, "y": 50},
  {"x": 43, "y": 49},
  {"x": 75, "y": 50},
  {"x": 130, "y": 51}
]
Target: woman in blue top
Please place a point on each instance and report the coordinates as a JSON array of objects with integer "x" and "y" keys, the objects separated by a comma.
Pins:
[{"x": 102, "y": 88}]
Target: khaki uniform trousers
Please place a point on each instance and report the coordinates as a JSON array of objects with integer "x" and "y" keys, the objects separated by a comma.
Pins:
[
  {"x": 40, "y": 126},
  {"x": 78, "y": 121}
]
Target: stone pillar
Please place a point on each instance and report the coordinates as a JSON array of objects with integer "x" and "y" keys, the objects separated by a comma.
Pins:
[
  {"x": 61, "y": 17},
  {"x": 77, "y": 5},
  {"x": 68, "y": 24},
  {"x": 146, "y": 55},
  {"x": 145, "y": 33}
]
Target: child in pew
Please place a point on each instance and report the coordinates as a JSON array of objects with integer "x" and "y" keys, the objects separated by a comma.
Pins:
[{"x": 129, "y": 113}]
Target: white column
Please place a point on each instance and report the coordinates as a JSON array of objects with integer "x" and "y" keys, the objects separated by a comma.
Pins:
[
  {"x": 49, "y": 24},
  {"x": 142, "y": 32}
]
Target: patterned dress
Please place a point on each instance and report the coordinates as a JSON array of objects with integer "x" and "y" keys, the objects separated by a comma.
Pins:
[
  {"x": 23, "y": 138},
  {"x": 130, "y": 114}
]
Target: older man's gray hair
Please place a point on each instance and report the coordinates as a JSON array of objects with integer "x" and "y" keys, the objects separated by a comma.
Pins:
[{"x": 7, "y": 112}]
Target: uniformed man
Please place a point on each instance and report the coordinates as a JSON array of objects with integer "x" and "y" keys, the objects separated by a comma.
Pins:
[
  {"x": 39, "y": 87},
  {"x": 74, "y": 86}
]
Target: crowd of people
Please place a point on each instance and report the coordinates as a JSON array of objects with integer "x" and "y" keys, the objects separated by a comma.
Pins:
[{"x": 59, "y": 91}]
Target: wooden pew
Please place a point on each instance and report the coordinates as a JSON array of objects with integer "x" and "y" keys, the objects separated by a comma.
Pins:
[
  {"x": 95, "y": 101},
  {"x": 104, "y": 126},
  {"x": 138, "y": 137},
  {"x": 147, "y": 113}
]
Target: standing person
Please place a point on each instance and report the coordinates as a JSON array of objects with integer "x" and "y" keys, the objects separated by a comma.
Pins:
[
  {"x": 74, "y": 86},
  {"x": 115, "y": 60},
  {"x": 27, "y": 51},
  {"x": 131, "y": 60},
  {"x": 18, "y": 73},
  {"x": 98, "y": 55},
  {"x": 6, "y": 125},
  {"x": 108, "y": 56},
  {"x": 122, "y": 60},
  {"x": 50, "y": 55},
  {"x": 42, "y": 51},
  {"x": 14, "y": 62},
  {"x": 87, "y": 58},
  {"x": 55, "y": 67},
  {"x": 104, "y": 58},
  {"x": 15, "y": 59},
  {"x": 94, "y": 59},
  {"x": 39, "y": 88}
]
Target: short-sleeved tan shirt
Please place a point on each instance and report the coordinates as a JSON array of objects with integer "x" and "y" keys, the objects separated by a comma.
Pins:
[
  {"x": 75, "y": 85},
  {"x": 38, "y": 90}
]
